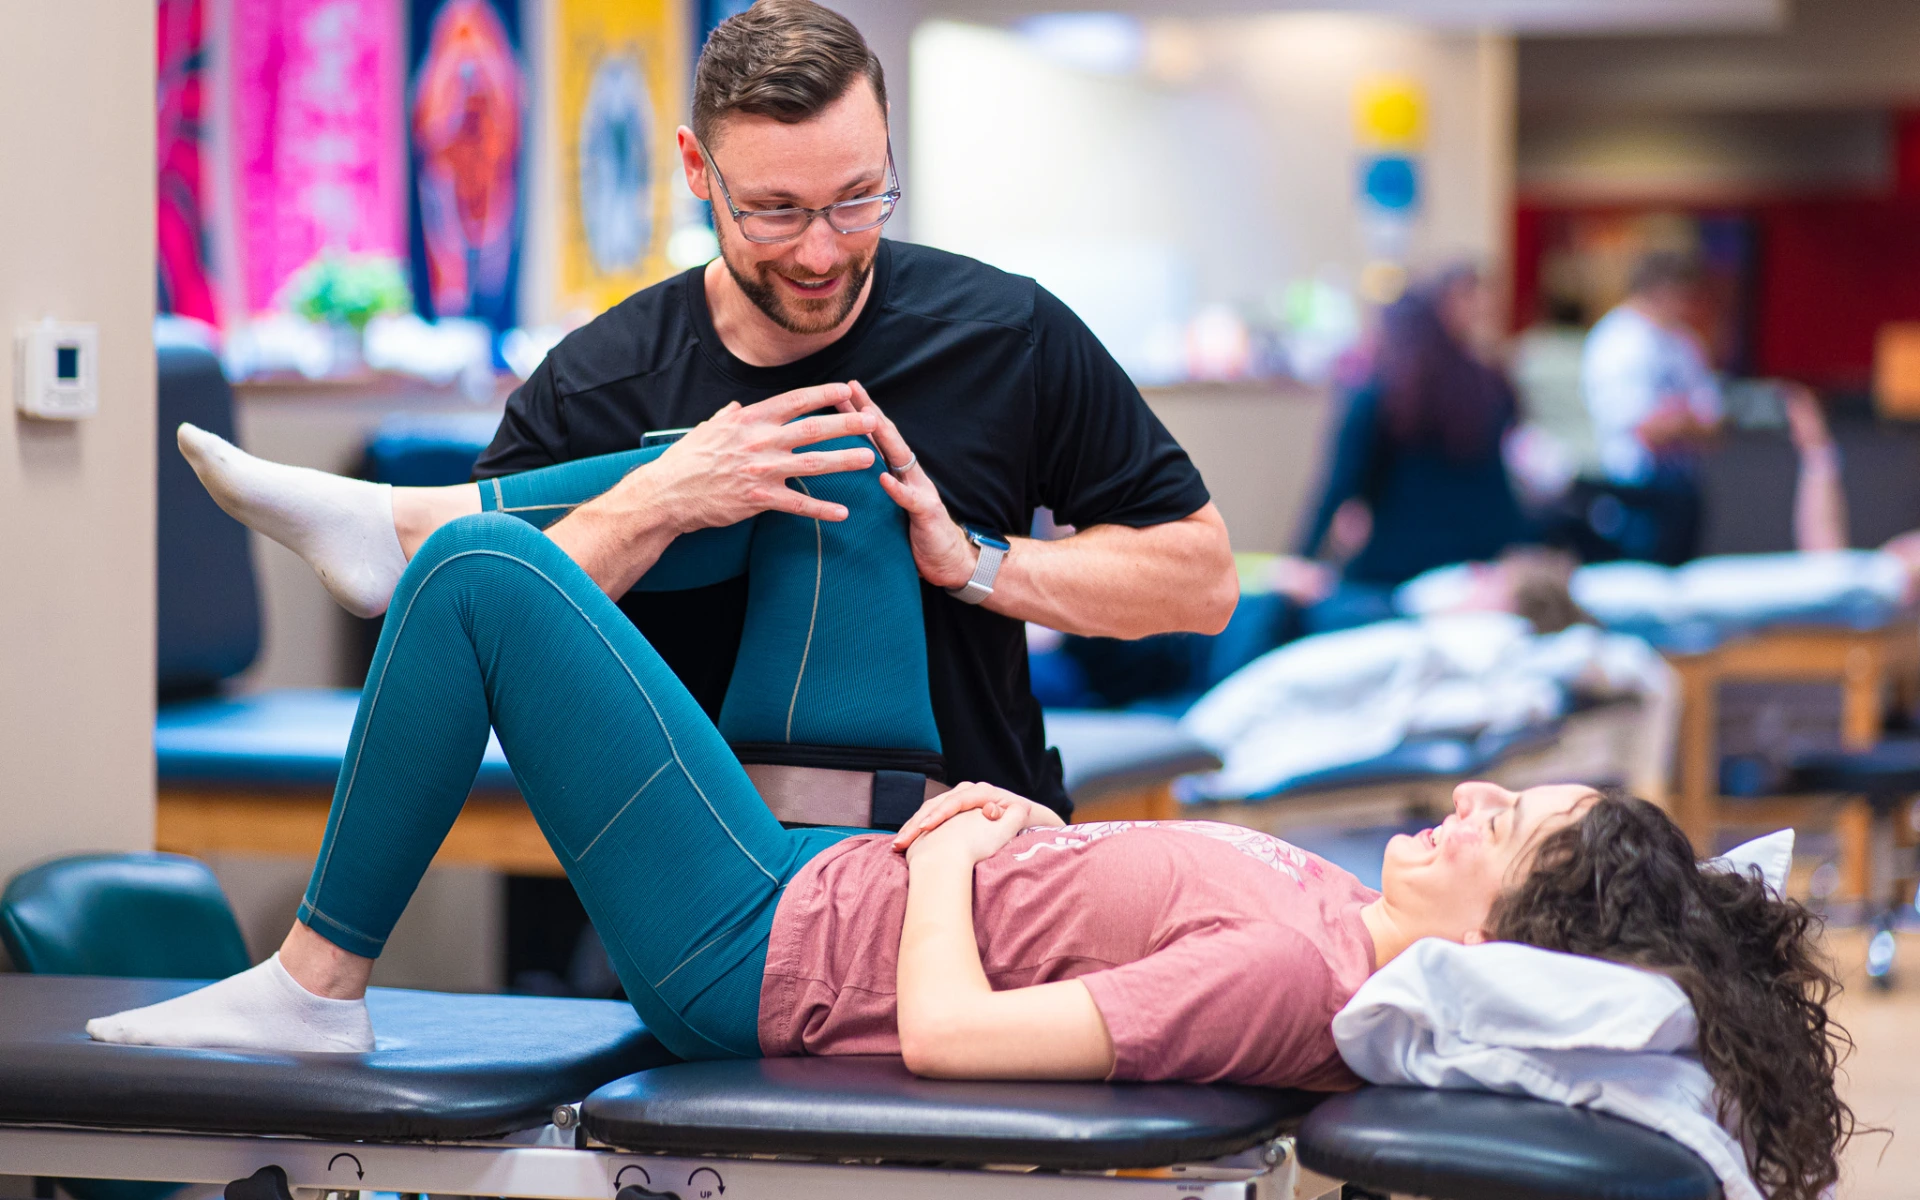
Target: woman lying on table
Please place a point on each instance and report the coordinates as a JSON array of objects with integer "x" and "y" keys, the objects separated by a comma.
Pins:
[{"x": 985, "y": 940}]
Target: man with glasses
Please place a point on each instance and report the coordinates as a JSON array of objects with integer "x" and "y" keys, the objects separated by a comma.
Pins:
[{"x": 984, "y": 394}]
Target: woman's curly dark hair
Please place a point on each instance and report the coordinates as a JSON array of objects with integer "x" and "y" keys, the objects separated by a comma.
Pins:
[{"x": 1621, "y": 883}]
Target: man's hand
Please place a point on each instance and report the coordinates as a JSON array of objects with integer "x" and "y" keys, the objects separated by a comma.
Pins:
[
  {"x": 1806, "y": 420},
  {"x": 991, "y": 801},
  {"x": 1674, "y": 423},
  {"x": 1104, "y": 581},
  {"x": 941, "y": 551},
  {"x": 731, "y": 466},
  {"x": 736, "y": 463}
]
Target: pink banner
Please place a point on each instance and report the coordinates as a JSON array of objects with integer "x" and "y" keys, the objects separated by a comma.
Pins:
[
  {"x": 180, "y": 223},
  {"x": 318, "y": 142}
]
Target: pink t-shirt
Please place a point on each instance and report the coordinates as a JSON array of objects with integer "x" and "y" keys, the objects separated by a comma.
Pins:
[{"x": 1213, "y": 952}]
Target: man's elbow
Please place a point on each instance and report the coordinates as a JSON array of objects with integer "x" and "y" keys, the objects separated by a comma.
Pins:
[
  {"x": 1216, "y": 581},
  {"x": 1220, "y": 598}
]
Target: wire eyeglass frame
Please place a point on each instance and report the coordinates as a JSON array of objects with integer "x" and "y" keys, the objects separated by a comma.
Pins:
[{"x": 888, "y": 199}]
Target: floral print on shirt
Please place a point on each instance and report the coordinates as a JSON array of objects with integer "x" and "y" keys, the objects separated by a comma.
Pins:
[{"x": 1290, "y": 861}]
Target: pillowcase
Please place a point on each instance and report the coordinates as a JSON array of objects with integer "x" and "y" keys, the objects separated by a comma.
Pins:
[{"x": 1773, "y": 854}]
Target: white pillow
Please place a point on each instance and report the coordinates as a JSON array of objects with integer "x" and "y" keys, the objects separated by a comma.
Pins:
[{"x": 1773, "y": 854}]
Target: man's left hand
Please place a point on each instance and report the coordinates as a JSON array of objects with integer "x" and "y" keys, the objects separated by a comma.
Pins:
[{"x": 941, "y": 550}]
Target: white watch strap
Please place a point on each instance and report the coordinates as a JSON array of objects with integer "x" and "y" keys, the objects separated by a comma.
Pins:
[{"x": 980, "y": 586}]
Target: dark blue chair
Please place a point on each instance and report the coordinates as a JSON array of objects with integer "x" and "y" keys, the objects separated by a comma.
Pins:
[
  {"x": 208, "y": 608},
  {"x": 1886, "y": 777},
  {"x": 263, "y": 747}
]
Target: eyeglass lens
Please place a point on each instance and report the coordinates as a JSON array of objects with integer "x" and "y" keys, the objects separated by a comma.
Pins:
[{"x": 850, "y": 217}]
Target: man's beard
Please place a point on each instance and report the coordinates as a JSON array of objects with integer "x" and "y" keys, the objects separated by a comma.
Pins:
[{"x": 803, "y": 316}]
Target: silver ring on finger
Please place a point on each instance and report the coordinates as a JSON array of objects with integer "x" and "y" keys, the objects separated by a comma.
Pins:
[{"x": 900, "y": 472}]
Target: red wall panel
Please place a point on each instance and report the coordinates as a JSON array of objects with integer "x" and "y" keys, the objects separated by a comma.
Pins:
[{"x": 1831, "y": 269}]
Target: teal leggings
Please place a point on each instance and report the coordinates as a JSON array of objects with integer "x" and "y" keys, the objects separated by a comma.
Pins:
[{"x": 676, "y": 859}]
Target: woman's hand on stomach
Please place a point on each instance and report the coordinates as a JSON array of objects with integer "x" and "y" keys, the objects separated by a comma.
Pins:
[{"x": 998, "y": 816}]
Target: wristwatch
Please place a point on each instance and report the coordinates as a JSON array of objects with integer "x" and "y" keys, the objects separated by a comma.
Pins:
[{"x": 993, "y": 548}]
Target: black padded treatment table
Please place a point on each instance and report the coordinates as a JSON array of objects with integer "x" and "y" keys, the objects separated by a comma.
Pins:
[{"x": 574, "y": 1100}]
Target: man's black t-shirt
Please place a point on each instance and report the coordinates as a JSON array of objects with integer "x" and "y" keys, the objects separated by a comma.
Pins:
[{"x": 1009, "y": 401}]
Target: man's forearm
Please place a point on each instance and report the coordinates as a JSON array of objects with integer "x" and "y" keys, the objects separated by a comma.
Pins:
[
  {"x": 616, "y": 537},
  {"x": 1116, "y": 581}
]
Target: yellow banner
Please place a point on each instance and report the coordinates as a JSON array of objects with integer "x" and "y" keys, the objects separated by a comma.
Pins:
[{"x": 620, "y": 74}]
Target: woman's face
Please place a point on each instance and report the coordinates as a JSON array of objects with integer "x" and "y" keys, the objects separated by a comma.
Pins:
[
  {"x": 1466, "y": 309},
  {"x": 1443, "y": 881}
]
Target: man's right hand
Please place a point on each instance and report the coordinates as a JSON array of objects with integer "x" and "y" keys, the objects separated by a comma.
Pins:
[
  {"x": 732, "y": 466},
  {"x": 736, "y": 463},
  {"x": 1672, "y": 423}
]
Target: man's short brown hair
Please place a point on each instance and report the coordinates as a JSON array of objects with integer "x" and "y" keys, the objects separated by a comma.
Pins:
[
  {"x": 785, "y": 59},
  {"x": 1664, "y": 269}
]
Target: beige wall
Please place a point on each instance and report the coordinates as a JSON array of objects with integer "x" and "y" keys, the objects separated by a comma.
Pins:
[
  {"x": 1259, "y": 448},
  {"x": 1221, "y": 170},
  {"x": 76, "y": 539}
]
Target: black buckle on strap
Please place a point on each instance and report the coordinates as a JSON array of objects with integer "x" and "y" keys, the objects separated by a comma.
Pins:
[{"x": 897, "y": 795}]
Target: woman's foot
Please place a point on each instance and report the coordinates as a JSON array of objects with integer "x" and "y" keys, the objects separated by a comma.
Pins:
[
  {"x": 263, "y": 1008},
  {"x": 343, "y": 528}
]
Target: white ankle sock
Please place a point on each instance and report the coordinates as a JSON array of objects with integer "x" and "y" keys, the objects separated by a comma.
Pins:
[
  {"x": 262, "y": 1008},
  {"x": 342, "y": 527}
]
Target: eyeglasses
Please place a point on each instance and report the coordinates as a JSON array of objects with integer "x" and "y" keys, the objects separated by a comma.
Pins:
[{"x": 770, "y": 225}]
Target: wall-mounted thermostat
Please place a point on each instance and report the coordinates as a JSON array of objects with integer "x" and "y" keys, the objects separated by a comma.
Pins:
[{"x": 57, "y": 374}]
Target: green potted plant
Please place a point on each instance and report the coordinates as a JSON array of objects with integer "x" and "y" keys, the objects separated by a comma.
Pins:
[{"x": 344, "y": 292}]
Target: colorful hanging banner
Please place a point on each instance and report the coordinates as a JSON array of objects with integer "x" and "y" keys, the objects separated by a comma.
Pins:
[
  {"x": 180, "y": 225},
  {"x": 621, "y": 76},
  {"x": 317, "y": 155},
  {"x": 466, "y": 104}
]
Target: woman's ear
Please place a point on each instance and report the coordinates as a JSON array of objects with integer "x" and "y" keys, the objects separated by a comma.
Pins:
[{"x": 1474, "y": 938}]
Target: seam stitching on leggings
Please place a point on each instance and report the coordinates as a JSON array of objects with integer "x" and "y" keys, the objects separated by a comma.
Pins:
[
  {"x": 672, "y": 746},
  {"x": 337, "y": 923},
  {"x": 623, "y": 810},
  {"x": 813, "y": 618},
  {"x": 705, "y": 946},
  {"x": 499, "y": 501},
  {"x": 709, "y": 944}
]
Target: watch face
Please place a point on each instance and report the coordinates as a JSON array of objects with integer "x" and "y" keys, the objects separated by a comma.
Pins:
[{"x": 987, "y": 539}]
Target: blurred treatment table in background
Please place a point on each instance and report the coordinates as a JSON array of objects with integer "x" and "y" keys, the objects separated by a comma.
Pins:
[
  {"x": 255, "y": 775},
  {"x": 1869, "y": 666}
]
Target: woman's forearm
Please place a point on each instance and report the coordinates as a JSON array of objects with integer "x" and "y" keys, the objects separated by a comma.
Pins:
[
  {"x": 953, "y": 1025},
  {"x": 1819, "y": 504},
  {"x": 940, "y": 977}
]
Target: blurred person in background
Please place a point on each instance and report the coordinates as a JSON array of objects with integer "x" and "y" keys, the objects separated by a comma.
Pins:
[
  {"x": 1820, "y": 523},
  {"x": 1554, "y": 445},
  {"x": 1655, "y": 407},
  {"x": 1420, "y": 447}
]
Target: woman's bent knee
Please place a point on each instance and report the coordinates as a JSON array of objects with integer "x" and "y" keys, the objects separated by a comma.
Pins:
[{"x": 480, "y": 531}]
